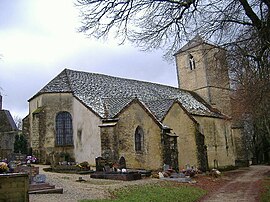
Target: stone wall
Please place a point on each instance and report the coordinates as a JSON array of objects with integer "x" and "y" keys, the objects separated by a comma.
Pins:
[
  {"x": 14, "y": 187},
  {"x": 184, "y": 127},
  {"x": 109, "y": 144},
  {"x": 209, "y": 78},
  {"x": 7, "y": 140},
  {"x": 43, "y": 111},
  {"x": 187, "y": 78},
  {"x": 86, "y": 131},
  {"x": 219, "y": 141},
  {"x": 151, "y": 156},
  {"x": 240, "y": 147}
]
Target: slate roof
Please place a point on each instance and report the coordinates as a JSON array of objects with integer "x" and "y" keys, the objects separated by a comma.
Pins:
[
  {"x": 108, "y": 95},
  {"x": 7, "y": 123},
  {"x": 196, "y": 41}
]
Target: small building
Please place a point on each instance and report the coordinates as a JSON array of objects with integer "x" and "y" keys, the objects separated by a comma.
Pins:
[
  {"x": 79, "y": 116},
  {"x": 8, "y": 131}
]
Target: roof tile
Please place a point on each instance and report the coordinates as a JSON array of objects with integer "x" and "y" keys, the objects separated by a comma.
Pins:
[{"x": 108, "y": 95}]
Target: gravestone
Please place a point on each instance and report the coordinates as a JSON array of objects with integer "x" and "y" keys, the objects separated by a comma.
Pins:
[
  {"x": 107, "y": 169},
  {"x": 18, "y": 157},
  {"x": 100, "y": 164},
  {"x": 166, "y": 167},
  {"x": 40, "y": 178},
  {"x": 30, "y": 170},
  {"x": 12, "y": 165},
  {"x": 122, "y": 163}
]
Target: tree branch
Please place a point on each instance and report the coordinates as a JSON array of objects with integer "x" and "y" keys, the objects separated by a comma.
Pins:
[{"x": 251, "y": 14}]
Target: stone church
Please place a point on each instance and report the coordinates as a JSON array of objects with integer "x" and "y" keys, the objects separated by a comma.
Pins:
[{"x": 80, "y": 116}]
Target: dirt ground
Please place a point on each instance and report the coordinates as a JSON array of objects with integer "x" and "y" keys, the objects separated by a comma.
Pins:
[
  {"x": 238, "y": 185},
  {"x": 243, "y": 184}
]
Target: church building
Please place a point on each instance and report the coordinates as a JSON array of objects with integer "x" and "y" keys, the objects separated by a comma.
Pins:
[{"x": 79, "y": 116}]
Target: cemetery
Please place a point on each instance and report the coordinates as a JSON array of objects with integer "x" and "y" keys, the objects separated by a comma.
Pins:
[
  {"x": 18, "y": 175},
  {"x": 23, "y": 179},
  {"x": 119, "y": 171},
  {"x": 20, "y": 165}
]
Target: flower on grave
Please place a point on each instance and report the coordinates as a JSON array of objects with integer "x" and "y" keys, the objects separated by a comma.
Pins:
[
  {"x": 84, "y": 165},
  {"x": 31, "y": 159},
  {"x": 78, "y": 165},
  {"x": 3, "y": 167}
]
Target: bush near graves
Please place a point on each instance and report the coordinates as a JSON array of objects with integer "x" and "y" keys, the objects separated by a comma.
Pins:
[{"x": 20, "y": 144}]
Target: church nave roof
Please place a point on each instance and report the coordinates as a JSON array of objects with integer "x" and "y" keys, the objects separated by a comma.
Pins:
[{"x": 108, "y": 95}]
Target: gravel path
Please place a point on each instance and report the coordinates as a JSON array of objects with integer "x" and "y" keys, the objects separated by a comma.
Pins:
[
  {"x": 244, "y": 187},
  {"x": 236, "y": 186},
  {"x": 74, "y": 191}
]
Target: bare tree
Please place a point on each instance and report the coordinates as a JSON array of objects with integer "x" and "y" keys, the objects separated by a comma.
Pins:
[
  {"x": 18, "y": 122},
  {"x": 241, "y": 26},
  {"x": 157, "y": 23},
  {"x": 251, "y": 76}
]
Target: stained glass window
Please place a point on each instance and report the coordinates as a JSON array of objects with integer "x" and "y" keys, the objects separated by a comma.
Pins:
[{"x": 64, "y": 131}]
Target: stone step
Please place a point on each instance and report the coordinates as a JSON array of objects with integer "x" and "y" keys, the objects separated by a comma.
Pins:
[
  {"x": 40, "y": 186},
  {"x": 47, "y": 191}
]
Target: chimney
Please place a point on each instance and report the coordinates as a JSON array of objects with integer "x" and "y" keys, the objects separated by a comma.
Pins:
[{"x": 0, "y": 102}]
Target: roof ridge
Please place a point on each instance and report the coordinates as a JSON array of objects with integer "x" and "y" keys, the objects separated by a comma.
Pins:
[
  {"x": 127, "y": 79},
  {"x": 56, "y": 85},
  {"x": 194, "y": 42},
  {"x": 68, "y": 79},
  {"x": 123, "y": 78}
]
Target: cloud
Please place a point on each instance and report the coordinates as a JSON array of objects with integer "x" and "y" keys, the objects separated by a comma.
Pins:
[{"x": 38, "y": 39}]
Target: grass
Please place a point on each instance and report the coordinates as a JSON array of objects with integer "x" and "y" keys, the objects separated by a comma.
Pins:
[
  {"x": 155, "y": 193},
  {"x": 265, "y": 196}
]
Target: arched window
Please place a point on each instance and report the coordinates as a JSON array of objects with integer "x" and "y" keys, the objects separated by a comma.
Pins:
[
  {"x": 139, "y": 139},
  {"x": 191, "y": 62},
  {"x": 64, "y": 131}
]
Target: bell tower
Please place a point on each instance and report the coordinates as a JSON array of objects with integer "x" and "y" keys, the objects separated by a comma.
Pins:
[{"x": 202, "y": 68}]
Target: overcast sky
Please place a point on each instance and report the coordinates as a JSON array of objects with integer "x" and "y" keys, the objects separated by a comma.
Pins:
[{"x": 38, "y": 39}]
